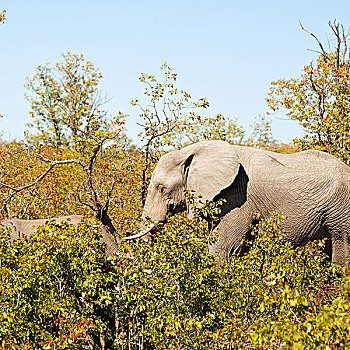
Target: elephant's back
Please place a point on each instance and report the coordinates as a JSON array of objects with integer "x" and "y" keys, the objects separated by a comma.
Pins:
[
  {"x": 26, "y": 227},
  {"x": 314, "y": 159},
  {"x": 288, "y": 181}
]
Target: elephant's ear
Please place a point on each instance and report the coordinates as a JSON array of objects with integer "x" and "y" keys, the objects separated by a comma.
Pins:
[{"x": 212, "y": 167}]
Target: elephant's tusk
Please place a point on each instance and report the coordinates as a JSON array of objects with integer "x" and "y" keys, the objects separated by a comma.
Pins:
[
  {"x": 140, "y": 234},
  {"x": 237, "y": 249}
]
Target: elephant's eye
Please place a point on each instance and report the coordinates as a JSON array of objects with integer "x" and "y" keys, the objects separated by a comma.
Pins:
[{"x": 161, "y": 189}]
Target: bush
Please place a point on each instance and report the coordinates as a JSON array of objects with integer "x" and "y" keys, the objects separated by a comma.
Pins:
[
  {"x": 50, "y": 283},
  {"x": 58, "y": 291}
]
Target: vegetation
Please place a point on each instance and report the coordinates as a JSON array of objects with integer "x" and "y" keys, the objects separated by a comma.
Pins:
[
  {"x": 66, "y": 105},
  {"x": 319, "y": 99},
  {"x": 58, "y": 290}
]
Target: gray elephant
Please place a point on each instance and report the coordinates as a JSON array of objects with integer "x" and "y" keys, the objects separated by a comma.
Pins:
[
  {"x": 20, "y": 228},
  {"x": 311, "y": 187}
]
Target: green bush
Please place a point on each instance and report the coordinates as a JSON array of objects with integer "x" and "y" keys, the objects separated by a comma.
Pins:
[
  {"x": 59, "y": 291},
  {"x": 49, "y": 284}
]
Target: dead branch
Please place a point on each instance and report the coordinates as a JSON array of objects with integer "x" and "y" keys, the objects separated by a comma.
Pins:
[
  {"x": 16, "y": 190},
  {"x": 94, "y": 204},
  {"x": 323, "y": 51},
  {"x": 341, "y": 37}
]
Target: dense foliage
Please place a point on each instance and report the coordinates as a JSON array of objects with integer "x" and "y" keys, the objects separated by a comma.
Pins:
[{"x": 58, "y": 291}]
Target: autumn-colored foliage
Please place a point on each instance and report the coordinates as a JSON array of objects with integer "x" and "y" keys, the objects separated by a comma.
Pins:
[
  {"x": 66, "y": 105},
  {"x": 64, "y": 188},
  {"x": 319, "y": 99}
]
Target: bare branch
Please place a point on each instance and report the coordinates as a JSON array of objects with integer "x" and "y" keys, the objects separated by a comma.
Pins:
[
  {"x": 323, "y": 51},
  {"x": 14, "y": 190}
]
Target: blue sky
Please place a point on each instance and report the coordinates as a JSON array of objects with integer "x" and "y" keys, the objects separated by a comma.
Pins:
[{"x": 227, "y": 51}]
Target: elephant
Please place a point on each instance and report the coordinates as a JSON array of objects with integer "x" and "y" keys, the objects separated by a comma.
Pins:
[
  {"x": 312, "y": 188},
  {"x": 20, "y": 228}
]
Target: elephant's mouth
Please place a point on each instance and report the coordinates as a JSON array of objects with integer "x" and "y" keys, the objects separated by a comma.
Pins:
[
  {"x": 172, "y": 208},
  {"x": 175, "y": 208}
]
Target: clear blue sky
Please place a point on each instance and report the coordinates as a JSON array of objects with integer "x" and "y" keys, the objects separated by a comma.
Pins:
[{"x": 227, "y": 51}]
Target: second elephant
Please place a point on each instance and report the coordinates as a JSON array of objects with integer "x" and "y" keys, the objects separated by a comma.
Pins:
[{"x": 20, "y": 228}]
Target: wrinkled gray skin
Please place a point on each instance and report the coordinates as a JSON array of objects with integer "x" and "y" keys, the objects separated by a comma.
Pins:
[
  {"x": 20, "y": 228},
  {"x": 312, "y": 188}
]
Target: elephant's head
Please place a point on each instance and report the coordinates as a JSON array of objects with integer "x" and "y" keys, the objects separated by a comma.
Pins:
[{"x": 205, "y": 168}]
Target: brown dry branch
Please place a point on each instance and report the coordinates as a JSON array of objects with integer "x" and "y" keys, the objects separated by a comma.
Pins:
[
  {"x": 94, "y": 202},
  {"x": 31, "y": 186},
  {"x": 341, "y": 37}
]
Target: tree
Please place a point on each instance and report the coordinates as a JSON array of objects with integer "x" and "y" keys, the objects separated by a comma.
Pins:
[
  {"x": 65, "y": 104},
  {"x": 262, "y": 136},
  {"x": 162, "y": 115},
  {"x": 320, "y": 98},
  {"x": 2, "y": 21},
  {"x": 70, "y": 131},
  {"x": 202, "y": 128},
  {"x": 170, "y": 119}
]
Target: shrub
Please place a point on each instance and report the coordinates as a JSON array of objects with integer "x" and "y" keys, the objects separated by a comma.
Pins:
[{"x": 59, "y": 291}]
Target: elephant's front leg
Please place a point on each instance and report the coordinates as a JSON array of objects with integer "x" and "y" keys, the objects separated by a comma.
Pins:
[
  {"x": 232, "y": 231},
  {"x": 340, "y": 246}
]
